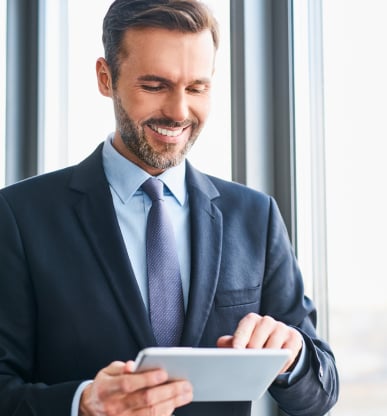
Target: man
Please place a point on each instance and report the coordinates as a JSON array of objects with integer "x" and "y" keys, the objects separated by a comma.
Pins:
[{"x": 74, "y": 296}]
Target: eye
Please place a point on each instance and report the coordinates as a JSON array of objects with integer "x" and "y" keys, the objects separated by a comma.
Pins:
[
  {"x": 152, "y": 88},
  {"x": 198, "y": 89}
]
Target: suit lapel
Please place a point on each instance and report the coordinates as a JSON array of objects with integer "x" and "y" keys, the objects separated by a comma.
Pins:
[
  {"x": 206, "y": 246},
  {"x": 96, "y": 213}
]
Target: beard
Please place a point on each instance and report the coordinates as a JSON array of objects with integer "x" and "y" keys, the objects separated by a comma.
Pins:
[{"x": 133, "y": 137}]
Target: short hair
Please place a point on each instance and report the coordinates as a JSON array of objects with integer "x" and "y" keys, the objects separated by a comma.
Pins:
[{"x": 191, "y": 16}]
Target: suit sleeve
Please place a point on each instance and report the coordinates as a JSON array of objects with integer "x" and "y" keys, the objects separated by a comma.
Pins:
[
  {"x": 20, "y": 393},
  {"x": 316, "y": 390}
]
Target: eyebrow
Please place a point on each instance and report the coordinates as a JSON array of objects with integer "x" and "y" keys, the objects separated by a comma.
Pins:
[{"x": 156, "y": 78}]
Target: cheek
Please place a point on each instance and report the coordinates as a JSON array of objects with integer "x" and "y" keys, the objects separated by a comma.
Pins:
[
  {"x": 142, "y": 107},
  {"x": 202, "y": 110}
]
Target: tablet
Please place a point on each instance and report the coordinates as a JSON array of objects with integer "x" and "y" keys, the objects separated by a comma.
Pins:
[{"x": 217, "y": 374}]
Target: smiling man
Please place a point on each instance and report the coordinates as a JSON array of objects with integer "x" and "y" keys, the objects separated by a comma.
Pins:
[{"x": 134, "y": 248}]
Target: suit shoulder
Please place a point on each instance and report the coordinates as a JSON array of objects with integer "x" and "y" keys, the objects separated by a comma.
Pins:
[
  {"x": 230, "y": 189},
  {"x": 40, "y": 183},
  {"x": 51, "y": 183}
]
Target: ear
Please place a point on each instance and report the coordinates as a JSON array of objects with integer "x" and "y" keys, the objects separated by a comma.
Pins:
[{"x": 104, "y": 78}]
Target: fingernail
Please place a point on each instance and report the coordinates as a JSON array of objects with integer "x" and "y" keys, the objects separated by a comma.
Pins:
[
  {"x": 160, "y": 376},
  {"x": 187, "y": 387}
]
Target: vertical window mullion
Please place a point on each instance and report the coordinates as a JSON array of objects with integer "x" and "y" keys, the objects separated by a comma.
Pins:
[
  {"x": 318, "y": 187},
  {"x": 22, "y": 102},
  {"x": 3, "y": 26}
]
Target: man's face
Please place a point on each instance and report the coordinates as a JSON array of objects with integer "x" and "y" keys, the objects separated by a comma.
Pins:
[{"x": 162, "y": 96}]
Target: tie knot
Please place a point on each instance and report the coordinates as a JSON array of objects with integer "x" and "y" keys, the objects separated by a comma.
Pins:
[{"x": 154, "y": 188}]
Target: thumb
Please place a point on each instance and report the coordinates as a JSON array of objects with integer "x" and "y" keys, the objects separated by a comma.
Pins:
[
  {"x": 129, "y": 367},
  {"x": 225, "y": 341},
  {"x": 115, "y": 368}
]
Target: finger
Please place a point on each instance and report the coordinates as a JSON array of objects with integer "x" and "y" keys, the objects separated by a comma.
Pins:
[
  {"x": 130, "y": 366},
  {"x": 284, "y": 336},
  {"x": 294, "y": 344},
  {"x": 271, "y": 334},
  {"x": 115, "y": 368},
  {"x": 124, "y": 383},
  {"x": 225, "y": 341},
  {"x": 268, "y": 333},
  {"x": 119, "y": 367},
  {"x": 109, "y": 391},
  {"x": 129, "y": 383},
  {"x": 275, "y": 340},
  {"x": 178, "y": 401},
  {"x": 245, "y": 329},
  {"x": 183, "y": 398},
  {"x": 165, "y": 408},
  {"x": 174, "y": 393}
]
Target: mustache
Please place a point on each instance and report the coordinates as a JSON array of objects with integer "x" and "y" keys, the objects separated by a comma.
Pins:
[{"x": 166, "y": 122}]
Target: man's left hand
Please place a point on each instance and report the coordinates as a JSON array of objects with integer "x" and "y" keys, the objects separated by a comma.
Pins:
[{"x": 255, "y": 331}]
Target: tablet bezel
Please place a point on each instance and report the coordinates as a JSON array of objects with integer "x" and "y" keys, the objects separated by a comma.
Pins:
[{"x": 217, "y": 374}]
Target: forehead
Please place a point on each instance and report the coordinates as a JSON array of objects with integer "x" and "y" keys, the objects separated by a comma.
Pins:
[{"x": 167, "y": 53}]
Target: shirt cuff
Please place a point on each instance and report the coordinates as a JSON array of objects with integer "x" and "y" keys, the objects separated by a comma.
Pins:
[
  {"x": 77, "y": 397},
  {"x": 299, "y": 369}
]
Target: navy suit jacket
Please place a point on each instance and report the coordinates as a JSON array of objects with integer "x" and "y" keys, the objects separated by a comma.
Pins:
[{"x": 70, "y": 305}]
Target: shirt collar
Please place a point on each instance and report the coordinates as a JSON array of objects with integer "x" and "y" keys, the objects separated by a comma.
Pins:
[{"x": 125, "y": 177}]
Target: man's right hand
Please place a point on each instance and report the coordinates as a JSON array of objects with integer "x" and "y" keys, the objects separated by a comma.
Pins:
[{"x": 118, "y": 391}]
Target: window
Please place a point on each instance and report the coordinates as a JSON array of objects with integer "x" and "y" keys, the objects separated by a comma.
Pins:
[
  {"x": 3, "y": 28},
  {"x": 77, "y": 117},
  {"x": 350, "y": 122},
  {"x": 82, "y": 118},
  {"x": 356, "y": 90}
]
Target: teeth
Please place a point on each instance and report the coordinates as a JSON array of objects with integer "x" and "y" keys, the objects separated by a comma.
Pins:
[{"x": 165, "y": 132}]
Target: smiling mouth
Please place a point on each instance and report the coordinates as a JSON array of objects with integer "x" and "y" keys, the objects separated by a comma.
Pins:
[{"x": 167, "y": 132}]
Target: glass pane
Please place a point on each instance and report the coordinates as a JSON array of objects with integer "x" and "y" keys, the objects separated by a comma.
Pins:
[
  {"x": 77, "y": 117},
  {"x": 3, "y": 27},
  {"x": 212, "y": 152},
  {"x": 355, "y": 93},
  {"x": 355, "y": 87},
  {"x": 90, "y": 115},
  {"x": 54, "y": 138}
]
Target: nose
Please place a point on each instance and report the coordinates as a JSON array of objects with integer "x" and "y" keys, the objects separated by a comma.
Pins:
[{"x": 176, "y": 106}]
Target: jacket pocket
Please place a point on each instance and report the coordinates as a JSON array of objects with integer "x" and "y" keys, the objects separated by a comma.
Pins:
[{"x": 238, "y": 297}]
